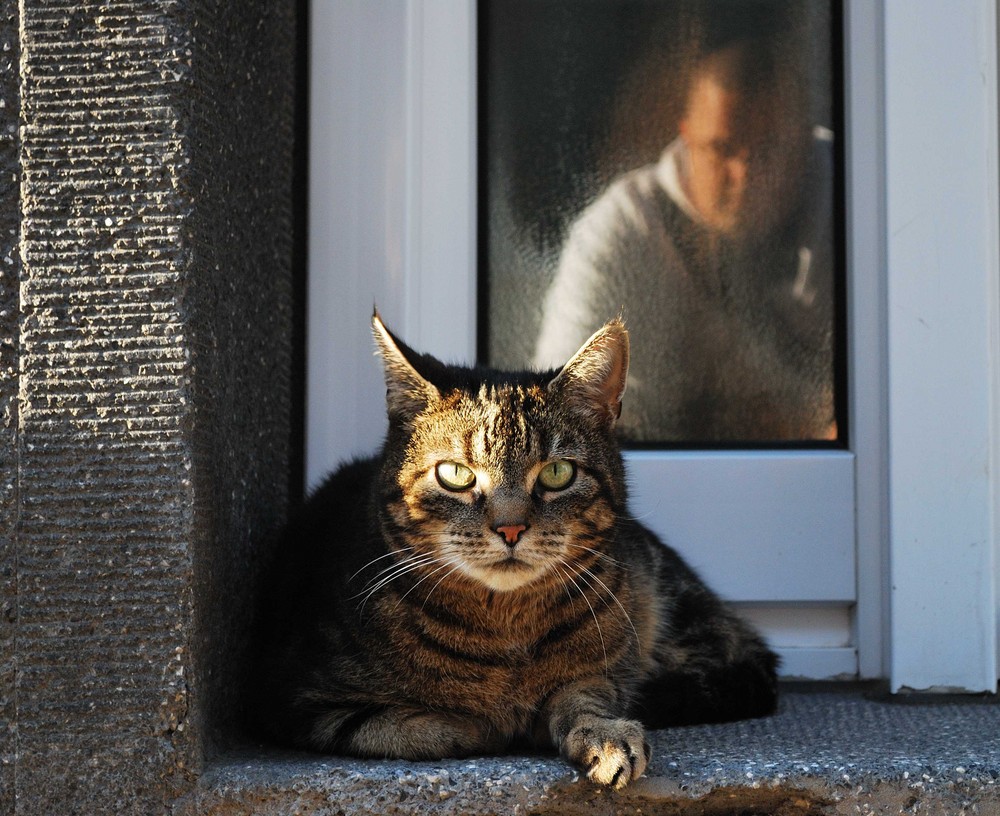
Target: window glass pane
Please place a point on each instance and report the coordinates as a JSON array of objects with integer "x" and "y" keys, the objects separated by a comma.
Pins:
[{"x": 674, "y": 161}]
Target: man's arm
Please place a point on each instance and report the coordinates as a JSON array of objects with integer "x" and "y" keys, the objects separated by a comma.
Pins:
[{"x": 586, "y": 290}]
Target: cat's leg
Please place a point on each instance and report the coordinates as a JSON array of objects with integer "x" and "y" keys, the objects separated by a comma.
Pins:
[
  {"x": 402, "y": 732},
  {"x": 584, "y": 722}
]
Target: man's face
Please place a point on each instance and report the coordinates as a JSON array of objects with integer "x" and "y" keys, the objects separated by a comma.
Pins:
[{"x": 740, "y": 175}]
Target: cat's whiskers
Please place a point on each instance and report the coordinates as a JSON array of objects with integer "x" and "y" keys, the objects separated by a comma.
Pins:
[
  {"x": 615, "y": 599},
  {"x": 593, "y": 612},
  {"x": 402, "y": 563},
  {"x": 379, "y": 558},
  {"x": 412, "y": 564},
  {"x": 447, "y": 563},
  {"x": 624, "y": 515},
  {"x": 613, "y": 561},
  {"x": 441, "y": 580},
  {"x": 562, "y": 579}
]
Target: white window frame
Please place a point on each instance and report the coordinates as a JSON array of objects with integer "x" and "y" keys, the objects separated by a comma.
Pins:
[{"x": 393, "y": 215}]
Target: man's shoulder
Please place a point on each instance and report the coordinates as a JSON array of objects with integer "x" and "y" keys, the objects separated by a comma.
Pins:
[
  {"x": 641, "y": 184},
  {"x": 635, "y": 201}
]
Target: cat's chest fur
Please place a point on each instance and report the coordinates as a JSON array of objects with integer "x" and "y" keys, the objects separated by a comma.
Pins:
[{"x": 501, "y": 655}]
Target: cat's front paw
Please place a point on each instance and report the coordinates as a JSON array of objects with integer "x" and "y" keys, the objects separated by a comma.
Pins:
[{"x": 610, "y": 752}]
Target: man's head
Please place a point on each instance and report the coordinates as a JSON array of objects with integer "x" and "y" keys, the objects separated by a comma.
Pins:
[{"x": 747, "y": 137}]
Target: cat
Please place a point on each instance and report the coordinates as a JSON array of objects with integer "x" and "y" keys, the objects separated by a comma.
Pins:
[{"x": 480, "y": 587}]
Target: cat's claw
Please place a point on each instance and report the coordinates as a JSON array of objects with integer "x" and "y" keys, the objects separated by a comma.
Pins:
[{"x": 610, "y": 752}]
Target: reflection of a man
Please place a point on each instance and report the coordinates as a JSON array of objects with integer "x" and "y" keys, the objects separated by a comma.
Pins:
[{"x": 721, "y": 254}]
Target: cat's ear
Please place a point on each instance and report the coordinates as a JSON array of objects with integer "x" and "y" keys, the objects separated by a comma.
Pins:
[
  {"x": 406, "y": 392},
  {"x": 593, "y": 381}
]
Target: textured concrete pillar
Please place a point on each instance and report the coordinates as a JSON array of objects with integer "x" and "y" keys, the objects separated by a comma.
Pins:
[
  {"x": 9, "y": 273},
  {"x": 148, "y": 316}
]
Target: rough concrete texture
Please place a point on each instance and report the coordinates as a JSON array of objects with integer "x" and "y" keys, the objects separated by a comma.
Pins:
[
  {"x": 105, "y": 495},
  {"x": 829, "y": 750},
  {"x": 9, "y": 274},
  {"x": 151, "y": 426},
  {"x": 240, "y": 136}
]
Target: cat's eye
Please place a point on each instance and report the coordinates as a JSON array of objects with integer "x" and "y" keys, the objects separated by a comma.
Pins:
[
  {"x": 557, "y": 475},
  {"x": 454, "y": 476}
]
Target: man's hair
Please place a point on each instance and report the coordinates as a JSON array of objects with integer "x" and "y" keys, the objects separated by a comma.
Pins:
[
  {"x": 763, "y": 65},
  {"x": 746, "y": 67},
  {"x": 750, "y": 50}
]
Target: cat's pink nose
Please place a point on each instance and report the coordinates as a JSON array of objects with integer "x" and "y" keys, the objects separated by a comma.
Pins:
[{"x": 511, "y": 532}]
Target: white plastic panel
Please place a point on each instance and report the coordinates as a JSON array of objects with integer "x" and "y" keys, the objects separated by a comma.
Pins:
[
  {"x": 814, "y": 641},
  {"x": 818, "y": 664},
  {"x": 758, "y": 526},
  {"x": 808, "y": 626}
]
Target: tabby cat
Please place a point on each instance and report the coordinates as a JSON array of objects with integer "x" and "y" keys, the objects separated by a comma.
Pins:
[{"x": 480, "y": 585}]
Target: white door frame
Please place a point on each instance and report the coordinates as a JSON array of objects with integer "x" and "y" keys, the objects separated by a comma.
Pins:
[
  {"x": 392, "y": 220},
  {"x": 942, "y": 279},
  {"x": 865, "y": 191}
]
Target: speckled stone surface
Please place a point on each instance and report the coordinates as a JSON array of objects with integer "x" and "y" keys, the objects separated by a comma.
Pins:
[
  {"x": 10, "y": 264},
  {"x": 829, "y": 750}
]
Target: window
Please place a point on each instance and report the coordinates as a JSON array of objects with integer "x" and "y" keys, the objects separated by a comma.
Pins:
[{"x": 675, "y": 161}]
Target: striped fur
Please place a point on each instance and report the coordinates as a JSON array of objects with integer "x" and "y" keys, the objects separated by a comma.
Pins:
[{"x": 405, "y": 620}]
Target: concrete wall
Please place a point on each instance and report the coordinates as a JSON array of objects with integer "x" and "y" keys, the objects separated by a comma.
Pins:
[
  {"x": 9, "y": 274},
  {"x": 146, "y": 325},
  {"x": 240, "y": 302}
]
